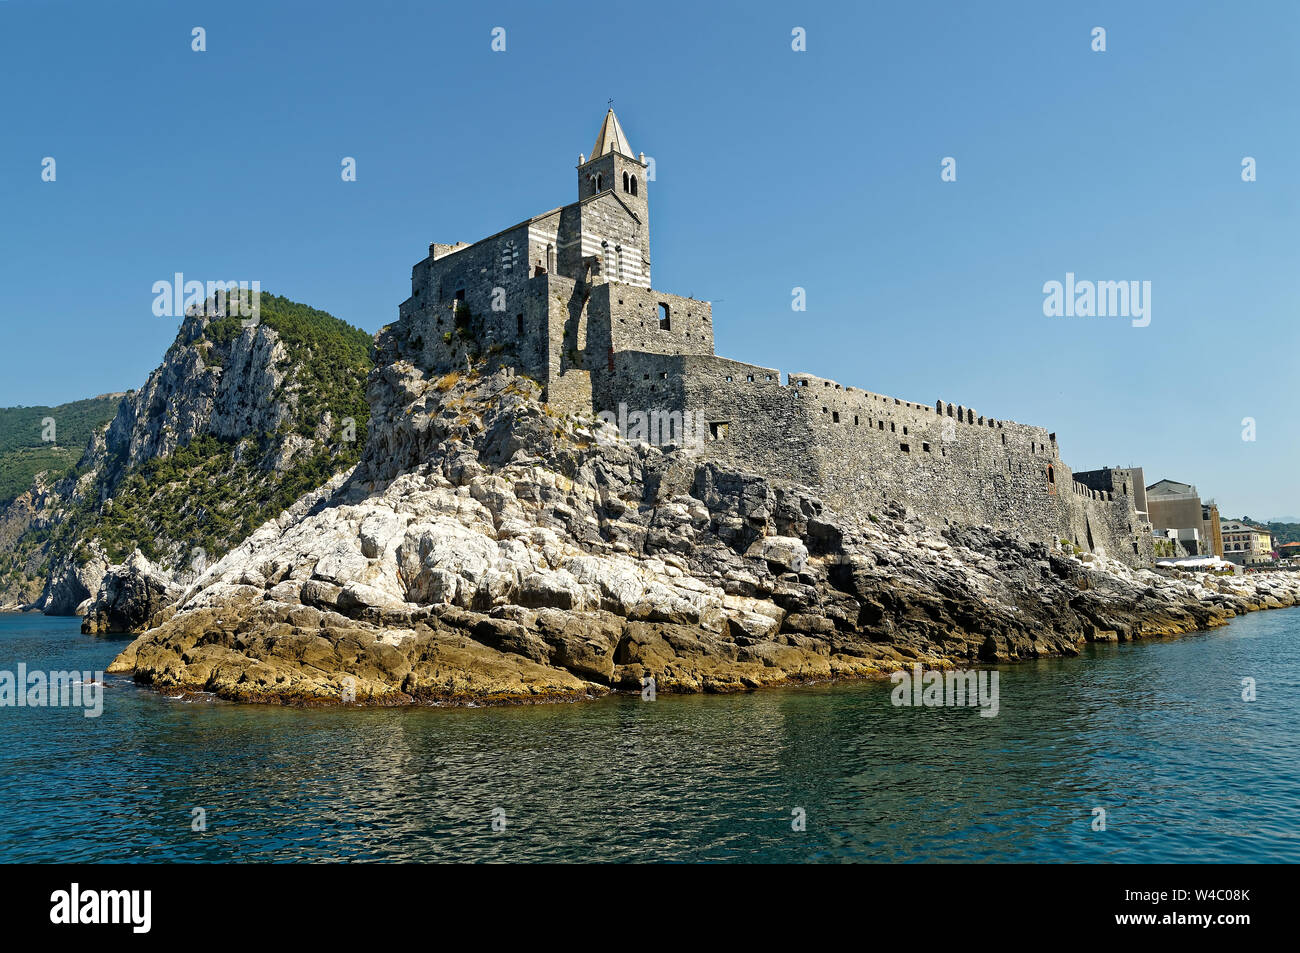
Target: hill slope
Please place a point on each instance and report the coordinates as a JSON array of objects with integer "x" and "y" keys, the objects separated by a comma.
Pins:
[
  {"x": 24, "y": 451},
  {"x": 233, "y": 426}
]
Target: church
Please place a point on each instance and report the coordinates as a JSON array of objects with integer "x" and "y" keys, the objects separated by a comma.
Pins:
[{"x": 566, "y": 298}]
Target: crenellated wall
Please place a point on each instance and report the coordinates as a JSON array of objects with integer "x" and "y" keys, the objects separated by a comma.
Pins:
[
  {"x": 864, "y": 451},
  {"x": 565, "y": 297}
]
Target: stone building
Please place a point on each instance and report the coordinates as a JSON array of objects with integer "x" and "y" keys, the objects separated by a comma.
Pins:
[
  {"x": 566, "y": 297},
  {"x": 1176, "y": 511},
  {"x": 1247, "y": 545}
]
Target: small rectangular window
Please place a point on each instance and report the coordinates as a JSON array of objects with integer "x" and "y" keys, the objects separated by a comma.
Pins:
[{"x": 905, "y": 448}]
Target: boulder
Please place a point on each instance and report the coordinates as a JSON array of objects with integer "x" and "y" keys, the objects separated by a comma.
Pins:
[
  {"x": 781, "y": 553},
  {"x": 130, "y": 598}
]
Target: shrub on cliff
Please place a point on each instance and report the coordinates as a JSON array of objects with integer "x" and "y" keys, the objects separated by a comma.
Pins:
[{"x": 209, "y": 490}]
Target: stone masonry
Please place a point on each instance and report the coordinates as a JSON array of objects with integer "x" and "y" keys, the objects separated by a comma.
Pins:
[{"x": 566, "y": 298}]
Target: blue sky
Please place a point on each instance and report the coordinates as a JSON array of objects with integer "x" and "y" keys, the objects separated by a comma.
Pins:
[{"x": 775, "y": 169}]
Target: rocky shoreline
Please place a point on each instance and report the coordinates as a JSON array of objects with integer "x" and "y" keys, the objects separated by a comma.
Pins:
[{"x": 486, "y": 551}]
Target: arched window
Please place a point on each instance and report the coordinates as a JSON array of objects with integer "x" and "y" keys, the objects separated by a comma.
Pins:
[
  {"x": 665, "y": 320},
  {"x": 626, "y": 186},
  {"x": 599, "y": 183},
  {"x": 634, "y": 185},
  {"x": 1051, "y": 476}
]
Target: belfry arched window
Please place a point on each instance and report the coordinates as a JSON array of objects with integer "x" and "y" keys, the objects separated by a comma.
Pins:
[
  {"x": 626, "y": 186},
  {"x": 634, "y": 185}
]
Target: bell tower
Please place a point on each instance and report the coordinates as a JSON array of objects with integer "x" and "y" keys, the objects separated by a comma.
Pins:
[
  {"x": 611, "y": 166},
  {"x": 614, "y": 208}
]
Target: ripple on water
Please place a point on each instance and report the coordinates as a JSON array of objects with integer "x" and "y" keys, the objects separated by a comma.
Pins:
[{"x": 1154, "y": 733}]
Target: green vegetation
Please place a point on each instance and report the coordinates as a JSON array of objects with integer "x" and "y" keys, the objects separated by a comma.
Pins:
[
  {"x": 210, "y": 493},
  {"x": 333, "y": 355},
  {"x": 200, "y": 496},
  {"x": 23, "y": 454}
]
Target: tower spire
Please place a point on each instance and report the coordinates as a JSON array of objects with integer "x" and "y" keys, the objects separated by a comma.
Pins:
[{"x": 610, "y": 138}]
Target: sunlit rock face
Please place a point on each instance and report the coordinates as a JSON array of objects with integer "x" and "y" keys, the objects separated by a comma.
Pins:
[{"x": 488, "y": 549}]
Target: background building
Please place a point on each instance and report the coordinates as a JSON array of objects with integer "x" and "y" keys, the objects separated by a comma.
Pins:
[
  {"x": 1212, "y": 528},
  {"x": 1175, "y": 510},
  {"x": 1246, "y": 545}
]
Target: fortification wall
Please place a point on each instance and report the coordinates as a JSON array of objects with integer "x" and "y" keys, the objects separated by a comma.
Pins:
[
  {"x": 865, "y": 452},
  {"x": 1122, "y": 481},
  {"x": 1105, "y": 521},
  {"x": 595, "y": 345},
  {"x": 627, "y": 318},
  {"x": 561, "y": 305}
]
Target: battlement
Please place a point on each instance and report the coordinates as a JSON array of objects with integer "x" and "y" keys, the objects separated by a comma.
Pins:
[{"x": 566, "y": 298}]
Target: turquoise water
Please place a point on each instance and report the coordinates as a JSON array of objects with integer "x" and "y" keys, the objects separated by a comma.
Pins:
[{"x": 1155, "y": 733}]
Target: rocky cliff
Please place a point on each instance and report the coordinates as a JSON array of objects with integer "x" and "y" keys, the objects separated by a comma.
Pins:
[
  {"x": 485, "y": 549},
  {"x": 232, "y": 426}
]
